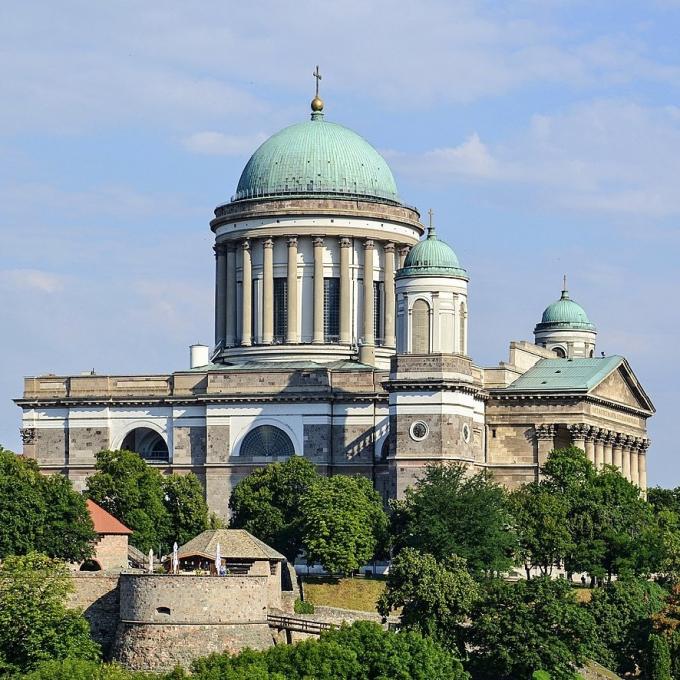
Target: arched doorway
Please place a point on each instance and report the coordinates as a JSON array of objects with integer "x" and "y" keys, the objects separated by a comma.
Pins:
[
  {"x": 90, "y": 565},
  {"x": 268, "y": 441},
  {"x": 147, "y": 443}
]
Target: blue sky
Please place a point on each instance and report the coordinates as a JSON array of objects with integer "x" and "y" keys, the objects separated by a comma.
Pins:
[{"x": 544, "y": 134}]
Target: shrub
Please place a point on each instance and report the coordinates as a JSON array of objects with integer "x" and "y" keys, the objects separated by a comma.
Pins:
[{"x": 302, "y": 607}]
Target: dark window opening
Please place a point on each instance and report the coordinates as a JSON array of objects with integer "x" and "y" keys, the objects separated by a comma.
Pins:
[
  {"x": 163, "y": 610},
  {"x": 280, "y": 309},
  {"x": 147, "y": 443},
  {"x": 268, "y": 441},
  {"x": 378, "y": 330},
  {"x": 90, "y": 565},
  {"x": 331, "y": 309}
]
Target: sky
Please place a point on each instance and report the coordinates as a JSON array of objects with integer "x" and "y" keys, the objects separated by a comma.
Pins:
[{"x": 544, "y": 134}]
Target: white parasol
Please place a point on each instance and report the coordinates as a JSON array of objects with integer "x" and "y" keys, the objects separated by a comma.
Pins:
[
  {"x": 218, "y": 559},
  {"x": 175, "y": 559},
  {"x": 151, "y": 560}
]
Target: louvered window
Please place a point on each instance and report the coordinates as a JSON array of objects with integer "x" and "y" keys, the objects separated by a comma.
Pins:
[
  {"x": 420, "y": 327},
  {"x": 331, "y": 309},
  {"x": 280, "y": 309}
]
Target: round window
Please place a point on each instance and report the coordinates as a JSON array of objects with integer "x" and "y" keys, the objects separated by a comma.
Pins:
[
  {"x": 419, "y": 430},
  {"x": 466, "y": 433}
]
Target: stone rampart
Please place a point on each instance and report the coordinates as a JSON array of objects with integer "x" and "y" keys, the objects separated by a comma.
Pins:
[{"x": 167, "y": 620}]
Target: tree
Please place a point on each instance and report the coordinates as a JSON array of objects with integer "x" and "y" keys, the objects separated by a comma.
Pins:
[
  {"x": 664, "y": 499},
  {"x": 35, "y": 625},
  {"x": 132, "y": 492},
  {"x": 343, "y": 523},
  {"x": 612, "y": 528},
  {"x": 622, "y": 611},
  {"x": 41, "y": 513},
  {"x": 362, "y": 651},
  {"x": 435, "y": 598},
  {"x": 184, "y": 500},
  {"x": 541, "y": 524},
  {"x": 449, "y": 512},
  {"x": 519, "y": 627},
  {"x": 659, "y": 665},
  {"x": 79, "y": 669},
  {"x": 267, "y": 503}
]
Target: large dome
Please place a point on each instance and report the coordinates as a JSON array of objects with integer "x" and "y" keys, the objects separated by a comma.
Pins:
[
  {"x": 317, "y": 157},
  {"x": 431, "y": 257},
  {"x": 565, "y": 313}
]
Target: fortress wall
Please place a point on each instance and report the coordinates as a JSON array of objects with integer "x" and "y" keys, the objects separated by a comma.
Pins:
[
  {"x": 97, "y": 595},
  {"x": 167, "y": 620},
  {"x": 166, "y": 598}
]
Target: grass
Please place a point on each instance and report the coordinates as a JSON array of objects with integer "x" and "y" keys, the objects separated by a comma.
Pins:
[{"x": 346, "y": 593}]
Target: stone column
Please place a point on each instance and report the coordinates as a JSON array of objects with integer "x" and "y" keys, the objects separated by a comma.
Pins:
[
  {"x": 230, "y": 333},
  {"x": 247, "y": 307},
  {"x": 545, "y": 437},
  {"x": 578, "y": 434},
  {"x": 268, "y": 292},
  {"x": 345, "y": 291},
  {"x": 292, "y": 335},
  {"x": 590, "y": 443},
  {"x": 617, "y": 458},
  {"x": 634, "y": 460},
  {"x": 642, "y": 464},
  {"x": 220, "y": 294},
  {"x": 403, "y": 252},
  {"x": 608, "y": 448},
  {"x": 318, "y": 290},
  {"x": 367, "y": 351},
  {"x": 599, "y": 449},
  {"x": 626, "y": 443},
  {"x": 390, "y": 296}
]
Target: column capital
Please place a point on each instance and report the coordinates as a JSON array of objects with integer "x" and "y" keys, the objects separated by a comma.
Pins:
[
  {"x": 268, "y": 242},
  {"x": 644, "y": 445},
  {"x": 579, "y": 431},
  {"x": 545, "y": 431},
  {"x": 369, "y": 244},
  {"x": 345, "y": 242},
  {"x": 610, "y": 437},
  {"x": 593, "y": 433},
  {"x": 292, "y": 241},
  {"x": 403, "y": 250},
  {"x": 627, "y": 441},
  {"x": 389, "y": 247},
  {"x": 245, "y": 244},
  {"x": 318, "y": 241}
]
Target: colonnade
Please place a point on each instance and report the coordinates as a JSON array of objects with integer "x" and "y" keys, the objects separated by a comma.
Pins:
[
  {"x": 603, "y": 447},
  {"x": 232, "y": 253}
]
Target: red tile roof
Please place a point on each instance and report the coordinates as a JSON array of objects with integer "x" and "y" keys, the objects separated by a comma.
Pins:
[{"x": 105, "y": 523}]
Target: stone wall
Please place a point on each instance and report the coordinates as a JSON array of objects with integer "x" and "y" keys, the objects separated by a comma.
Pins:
[
  {"x": 111, "y": 552},
  {"x": 85, "y": 442},
  {"x": 97, "y": 595}
]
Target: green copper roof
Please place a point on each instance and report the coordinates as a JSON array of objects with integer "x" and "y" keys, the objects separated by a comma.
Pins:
[
  {"x": 565, "y": 375},
  {"x": 565, "y": 313},
  {"x": 316, "y": 157},
  {"x": 431, "y": 257}
]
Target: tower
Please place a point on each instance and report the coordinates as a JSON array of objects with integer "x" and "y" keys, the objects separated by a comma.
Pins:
[
  {"x": 565, "y": 328},
  {"x": 436, "y": 414}
]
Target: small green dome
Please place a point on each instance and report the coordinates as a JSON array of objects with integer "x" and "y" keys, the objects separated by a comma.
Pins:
[
  {"x": 565, "y": 313},
  {"x": 316, "y": 157},
  {"x": 432, "y": 257}
]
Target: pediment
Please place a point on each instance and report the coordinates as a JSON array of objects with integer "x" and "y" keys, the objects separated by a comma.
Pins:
[{"x": 621, "y": 386}]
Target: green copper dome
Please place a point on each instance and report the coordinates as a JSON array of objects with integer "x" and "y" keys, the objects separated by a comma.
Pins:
[
  {"x": 317, "y": 157},
  {"x": 431, "y": 257},
  {"x": 565, "y": 313}
]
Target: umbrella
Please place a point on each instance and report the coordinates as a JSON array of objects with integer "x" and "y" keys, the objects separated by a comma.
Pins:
[
  {"x": 175, "y": 558},
  {"x": 151, "y": 560},
  {"x": 218, "y": 559}
]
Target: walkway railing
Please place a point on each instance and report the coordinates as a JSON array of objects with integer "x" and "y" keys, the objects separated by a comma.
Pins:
[{"x": 299, "y": 625}]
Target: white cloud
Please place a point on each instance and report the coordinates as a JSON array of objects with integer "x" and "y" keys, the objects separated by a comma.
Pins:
[
  {"x": 220, "y": 144},
  {"x": 35, "y": 279},
  {"x": 605, "y": 156}
]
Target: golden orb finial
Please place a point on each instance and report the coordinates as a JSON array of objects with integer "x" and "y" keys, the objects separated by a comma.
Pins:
[{"x": 317, "y": 104}]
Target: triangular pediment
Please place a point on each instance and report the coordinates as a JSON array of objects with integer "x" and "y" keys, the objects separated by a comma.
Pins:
[{"x": 622, "y": 387}]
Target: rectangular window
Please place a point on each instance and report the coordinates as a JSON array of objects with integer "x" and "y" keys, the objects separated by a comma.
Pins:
[
  {"x": 331, "y": 310},
  {"x": 280, "y": 309},
  {"x": 378, "y": 288}
]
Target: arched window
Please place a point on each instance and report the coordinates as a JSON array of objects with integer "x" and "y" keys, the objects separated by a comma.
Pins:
[
  {"x": 268, "y": 441},
  {"x": 90, "y": 565},
  {"x": 560, "y": 353},
  {"x": 420, "y": 327},
  {"x": 147, "y": 443}
]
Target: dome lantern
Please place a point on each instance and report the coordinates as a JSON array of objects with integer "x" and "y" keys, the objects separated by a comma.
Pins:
[{"x": 565, "y": 328}]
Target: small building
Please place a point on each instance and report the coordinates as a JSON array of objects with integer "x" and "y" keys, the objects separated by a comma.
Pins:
[
  {"x": 111, "y": 550},
  {"x": 241, "y": 555}
]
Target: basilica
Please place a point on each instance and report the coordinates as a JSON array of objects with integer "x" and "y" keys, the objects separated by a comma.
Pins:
[{"x": 341, "y": 335}]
